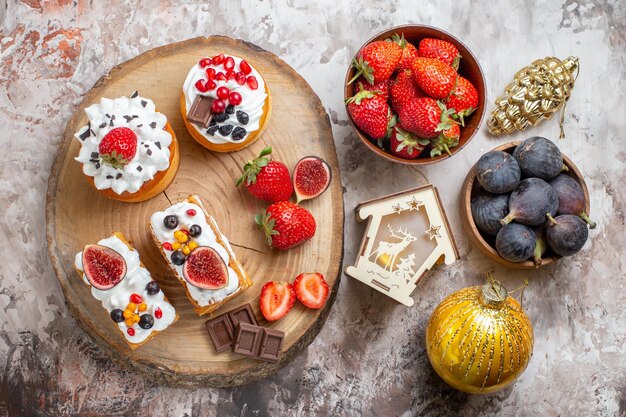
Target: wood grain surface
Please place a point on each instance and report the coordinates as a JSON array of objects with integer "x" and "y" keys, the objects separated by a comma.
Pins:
[{"x": 78, "y": 215}]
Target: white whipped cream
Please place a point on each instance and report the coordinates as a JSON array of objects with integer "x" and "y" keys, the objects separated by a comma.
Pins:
[
  {"x": 252, "y": 100},
  {"x": 207, "y": 238},
  {"x": 134, "y": 282},
  {"x": 152, "y": 156}
]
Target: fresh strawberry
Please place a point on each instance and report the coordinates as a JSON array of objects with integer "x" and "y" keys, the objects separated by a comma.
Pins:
[
  {"x": 370, "y": 112},
  {"x": 404, "y": 89},
  {"x": 266, "y": 179},
  {"x": 377, "y": 61},
  {"x": 449, "y": 138},
  {"x": 425, "y": 117},
  {"x": 405, "y": 144},
  {"x": 277, "y": 298},
  {"x": 434, "y": 77},
  {"x": 311, "y": 289},
  {"x": 409, "y": 52},
  {"x": 463, "y": 100},
  {"x": 441, "y": 50},
  {"x": 286, "y": 224},
  {"x": 381, "y": 88},
  {"x": 118, "y": 147}
]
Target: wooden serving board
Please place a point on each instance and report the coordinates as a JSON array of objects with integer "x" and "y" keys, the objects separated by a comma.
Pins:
[{"x": 78, "y": 215}]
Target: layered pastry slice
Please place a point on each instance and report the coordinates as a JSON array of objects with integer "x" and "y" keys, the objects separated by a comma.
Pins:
[
  {"x": 122, "y": 284},
  {"x": 128, "y": 150},
  {"x": 225, "y": 103},
  {"x": 198, "y": 254}
]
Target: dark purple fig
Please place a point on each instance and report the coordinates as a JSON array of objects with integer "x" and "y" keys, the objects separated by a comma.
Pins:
[
  {"x": 539, "y": 157},
  {"x": 498, "y": 172},
  {"x": 571, "y": 197},
  {"x": 530, "y": 201},
  {"x": 515, "y": 242},
  {"x": 487, "y": 210},
  {"x": 541, "y": 246},
  {"x": 566, "y": 234}
]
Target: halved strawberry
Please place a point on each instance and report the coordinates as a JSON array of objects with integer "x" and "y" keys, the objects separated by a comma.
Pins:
[
  {"x": 311, "y": 289},
  {"x": 277, "y": 298}
]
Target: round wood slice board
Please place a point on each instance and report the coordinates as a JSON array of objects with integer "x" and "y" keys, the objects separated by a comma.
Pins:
[{"x": 77, "y": 215}]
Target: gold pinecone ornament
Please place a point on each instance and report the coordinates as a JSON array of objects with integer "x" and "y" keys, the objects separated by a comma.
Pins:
[
  {"x": 536, "y": 93},
  {"x": 479, "y": 340}
]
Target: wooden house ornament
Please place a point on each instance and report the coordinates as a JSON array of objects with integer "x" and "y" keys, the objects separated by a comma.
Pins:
[{"x": 407, "y": 234}]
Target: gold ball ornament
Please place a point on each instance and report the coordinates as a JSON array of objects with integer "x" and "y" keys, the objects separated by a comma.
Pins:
[
  {"x": 535, "y": 94},
  {"x": 479, "y": 340}
]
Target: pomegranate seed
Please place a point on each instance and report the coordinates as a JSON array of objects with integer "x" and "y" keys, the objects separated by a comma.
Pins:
[
  {"x": 158, "y": 313},
  {"x": 136, "y": 298},
  {"x": 205, "y": 62},
  {"x": 220, "y": 76},
  {"x": 202, "y": 86},
  {"x": 245, "y": 67},
  {"x": 167, "y": 246},
  {"x": 211, "y": 84},
  {"x": 218, "y": 106},
  {"x": 130, "y": 331},
  {"x": 223, "y": 92},
  {"x": 252, "y": 82},
  {"x": 240, "y": 77},
  {"x": 229, "y": 64},
  {"x": 210, "y": 73},
  {"x": 234, "y": 98},
  {"x": 218, "y": 59},
  {"x": 185, "y": 231},
  {"x": 191, "y": 212}
]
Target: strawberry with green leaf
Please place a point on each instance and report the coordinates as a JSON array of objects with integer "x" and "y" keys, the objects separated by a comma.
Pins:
[
  {"x": 425, "y": 117},
  {"x": 406, "y": 145},
  {"x": 441, "y": 50},
  {"x": 377, "y": 61},
  {"x": 381, "y": 88},
  {"x": 286, "y": 225},
  {"x": 434, "y": 77},
  {"x": 463, "y": 100},
  {"x": 266, "y": 179},
  {"x": 118, "y": 147},
  {"x": 370, "y": 113},
  {"x": 447, "y": 139},
  {"x": 409, "y": 52}
]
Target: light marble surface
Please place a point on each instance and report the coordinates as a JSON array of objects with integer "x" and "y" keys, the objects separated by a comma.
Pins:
[{"x": 369, "y": 359}]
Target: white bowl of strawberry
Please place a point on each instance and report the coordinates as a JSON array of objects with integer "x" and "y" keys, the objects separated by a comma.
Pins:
[{"x": 415, "y": 94}]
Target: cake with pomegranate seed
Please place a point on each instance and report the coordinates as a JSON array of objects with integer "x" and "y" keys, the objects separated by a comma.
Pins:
[
  {"x": 199, "y": 254},
  {"x": 122, "y": 284},
  {"x": 225, "y": 103},
  {"x": 128, "y": 150}
]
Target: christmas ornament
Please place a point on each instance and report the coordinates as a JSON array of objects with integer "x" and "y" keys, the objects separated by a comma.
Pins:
[
  {"x": 406, "y": 235},
  {"x": 536, "y": 92},
  {"x": 479, "y": 340}
]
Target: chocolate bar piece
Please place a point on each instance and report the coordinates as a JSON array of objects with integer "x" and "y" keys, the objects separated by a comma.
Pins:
[
  {"x": 221, "y": 332},
  {"x": 200, "y": 111},
  {"x": 248, "y": 339},
  {"x": 243, "y": 314},
  {"x": 270, "y": 344},
  {"x": 222, "y": 328},
  {"x": 258, "y": 342}
]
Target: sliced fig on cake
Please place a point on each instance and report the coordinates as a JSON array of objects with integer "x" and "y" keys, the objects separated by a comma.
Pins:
[
  {"x": 104, "y": 267},
  {"x": 205, "y": 269},
  {"x": 311, "y": 177}
]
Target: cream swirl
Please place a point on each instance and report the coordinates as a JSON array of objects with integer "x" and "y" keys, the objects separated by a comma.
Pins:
[
  {"x": 152, "y": 156},
  {"x": 206, "y": 238},
  {"x": 252, "y": 100},
  {"x": 134, "y": 282}
]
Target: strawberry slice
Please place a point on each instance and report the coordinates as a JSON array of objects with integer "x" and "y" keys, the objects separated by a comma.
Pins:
[
  {"x": 311, "y": 289},
  {"x": 277, "y": 298}
]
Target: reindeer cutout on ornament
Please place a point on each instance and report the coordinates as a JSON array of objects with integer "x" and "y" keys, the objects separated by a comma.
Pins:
[{"x": 416, "y": 235}]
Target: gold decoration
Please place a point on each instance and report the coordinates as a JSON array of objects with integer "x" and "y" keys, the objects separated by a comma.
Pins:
[
  {"x": 536, "y": 92},
  {"x": 479, "y": 340}
]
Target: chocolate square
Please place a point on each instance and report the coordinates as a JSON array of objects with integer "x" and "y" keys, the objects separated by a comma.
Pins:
[
  {"x": 243, "y": 314},
  {"x": 200, "y": 111},
  {"x": 271, "y": 343},
  {"x": 221, "y": 332},
  {"x": 247, "y": 339}
]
